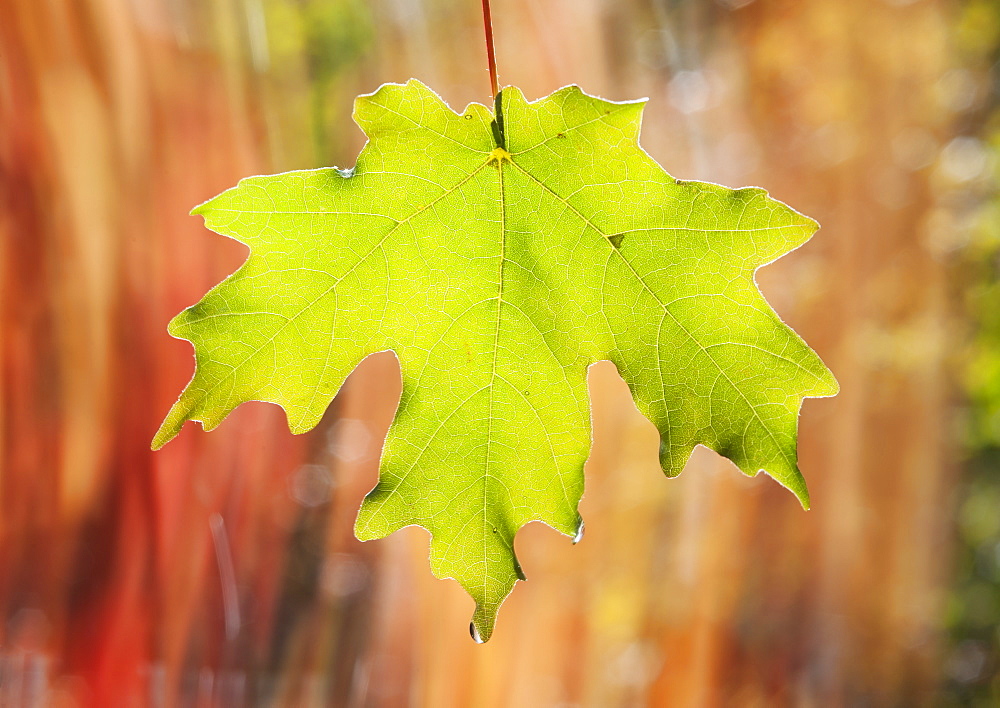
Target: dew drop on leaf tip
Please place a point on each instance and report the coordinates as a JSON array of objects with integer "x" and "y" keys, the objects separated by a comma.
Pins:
[
  {"x": 578, "y": 536},
  {"x": 475, "y": 633}
]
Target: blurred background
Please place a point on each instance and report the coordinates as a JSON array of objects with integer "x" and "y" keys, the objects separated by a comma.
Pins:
[{"x": 222, "y": 571}]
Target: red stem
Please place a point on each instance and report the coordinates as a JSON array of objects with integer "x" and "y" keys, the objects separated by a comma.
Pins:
[{"x": 490, "y": 55}]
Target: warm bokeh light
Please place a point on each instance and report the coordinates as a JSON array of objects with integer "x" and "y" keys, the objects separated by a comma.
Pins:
[{"x": 223, "y": 569}]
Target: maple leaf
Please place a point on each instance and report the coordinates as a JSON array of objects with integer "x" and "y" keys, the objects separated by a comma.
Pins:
[{"x": 498, "y": 275}]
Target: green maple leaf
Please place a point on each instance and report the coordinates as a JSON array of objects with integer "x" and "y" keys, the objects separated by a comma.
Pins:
[{"x": 497, "y": 276}]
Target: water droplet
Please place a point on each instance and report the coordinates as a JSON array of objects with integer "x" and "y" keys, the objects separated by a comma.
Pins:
[
  {"x": 475, "y": 633},
  {"x": 579, "y": 533}
]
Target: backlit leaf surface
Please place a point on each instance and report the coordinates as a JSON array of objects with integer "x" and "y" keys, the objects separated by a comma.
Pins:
[{"x": 497, "y": 276}]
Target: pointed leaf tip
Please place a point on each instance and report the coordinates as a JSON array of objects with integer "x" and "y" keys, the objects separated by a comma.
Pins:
[{"x": 482, "y": 624}]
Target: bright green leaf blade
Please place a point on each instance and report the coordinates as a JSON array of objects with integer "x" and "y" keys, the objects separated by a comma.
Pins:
[{"x": 498, "y": 278}]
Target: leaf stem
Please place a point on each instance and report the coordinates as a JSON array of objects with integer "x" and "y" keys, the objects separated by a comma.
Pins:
[
  {"x": 490, "y": 53},
  {"x": 491, "y": 58}
]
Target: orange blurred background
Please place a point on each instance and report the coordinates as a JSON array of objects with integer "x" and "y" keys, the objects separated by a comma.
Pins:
[{"x": 222, "y": 571}]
